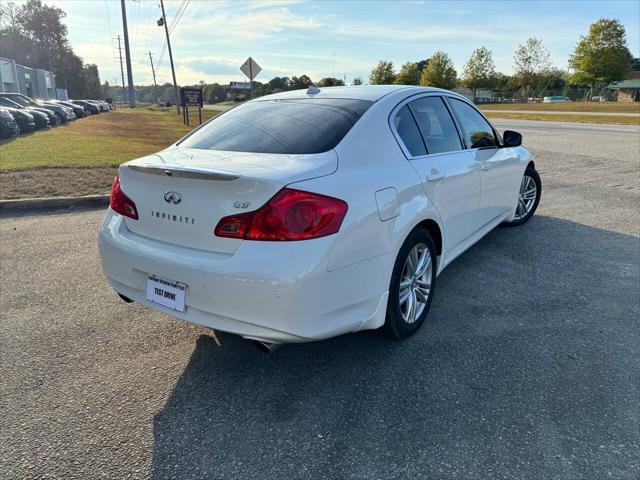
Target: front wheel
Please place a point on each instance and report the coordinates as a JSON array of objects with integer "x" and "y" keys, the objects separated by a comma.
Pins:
[
  {"x": 528, "y": 197},
  {"x": 412, "y": 284}
]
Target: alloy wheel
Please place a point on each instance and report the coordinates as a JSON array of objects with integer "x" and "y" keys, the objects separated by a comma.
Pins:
[
  {"x": 415, "y": 283},
  {"x": 526, "y": 197}
]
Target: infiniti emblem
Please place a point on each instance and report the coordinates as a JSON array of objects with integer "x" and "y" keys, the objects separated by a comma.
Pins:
[{"x": 172, "y": 197}]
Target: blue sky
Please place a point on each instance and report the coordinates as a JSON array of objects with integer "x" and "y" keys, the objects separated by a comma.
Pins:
[{"x": 328, "y": 37}]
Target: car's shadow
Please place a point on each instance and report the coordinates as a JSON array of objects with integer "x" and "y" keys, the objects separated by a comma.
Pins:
[{"x": 530, "y": 332}]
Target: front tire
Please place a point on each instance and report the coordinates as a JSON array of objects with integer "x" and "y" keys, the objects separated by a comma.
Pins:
[
  {"x": 412, "y": 285},
  {"x": 528, "y": 197}
]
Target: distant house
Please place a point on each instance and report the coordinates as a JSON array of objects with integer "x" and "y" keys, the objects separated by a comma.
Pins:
[
  {"x": 628, "y": 90},
  {"x": 238, "y": 90}
]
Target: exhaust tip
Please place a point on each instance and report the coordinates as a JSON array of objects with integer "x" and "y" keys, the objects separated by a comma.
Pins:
[
  {"x": 265, "y": 347},
  {"x": 125, "y": 299}
]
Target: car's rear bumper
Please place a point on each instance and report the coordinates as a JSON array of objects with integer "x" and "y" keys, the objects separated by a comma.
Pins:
[{"x": 269, "y": 291}]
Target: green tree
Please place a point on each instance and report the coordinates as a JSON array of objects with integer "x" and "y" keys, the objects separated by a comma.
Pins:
[
  {"x": 439, "y": 72},
  {"x": 602, "y": 56},
  {"x": 279, "y": 84},
  {"x": 303, "y": 81},
  {"x": 330, "y": 82},
  {"x": 34, "y": 35},
  {"x": 383, "y": 73},
  {"x": 408, "y": 74},
  {"x": 479, "y": 71},
  {"x": 92, "y": 81},
  {"x": 530, "y": 60}
]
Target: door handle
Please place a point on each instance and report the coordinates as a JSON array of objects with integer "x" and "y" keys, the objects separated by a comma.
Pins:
[{"x": 435, "y": 175}]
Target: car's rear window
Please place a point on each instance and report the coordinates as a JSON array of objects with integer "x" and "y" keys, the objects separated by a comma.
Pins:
[{"x": 302, "y": 126}]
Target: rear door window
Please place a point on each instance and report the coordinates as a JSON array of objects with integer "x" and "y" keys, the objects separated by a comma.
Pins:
[
  {"x": 408, "y": 132},
  {"x": 436, "y": 125},
  {"x": 303, "y": 126},
  {"x": 476, "y": 130}
]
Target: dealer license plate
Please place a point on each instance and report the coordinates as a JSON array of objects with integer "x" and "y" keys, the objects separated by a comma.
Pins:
[{"x": 167, "y": 293}]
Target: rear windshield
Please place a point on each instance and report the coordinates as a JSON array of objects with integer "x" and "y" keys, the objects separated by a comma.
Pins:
[{"x": 303, "y": 126}]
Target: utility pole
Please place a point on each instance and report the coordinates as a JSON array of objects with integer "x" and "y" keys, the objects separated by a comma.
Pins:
[
  {"x": 124, "y": 88},
  {"x": 155, "y": 86},
  {"x": 127, "y": 52},
  {"x": 163, "y": 21}
]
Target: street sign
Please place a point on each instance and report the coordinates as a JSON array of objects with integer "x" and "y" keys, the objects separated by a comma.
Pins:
[
  {"x": 191, "y": 97},
  {"x": 250, "y": 68}
]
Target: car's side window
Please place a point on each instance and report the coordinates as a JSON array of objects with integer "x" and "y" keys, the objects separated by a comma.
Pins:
[
  {"x": 408, "y": 131},
  {"x": 476, "y": 130},
  {"x": 436, "y": 125}
]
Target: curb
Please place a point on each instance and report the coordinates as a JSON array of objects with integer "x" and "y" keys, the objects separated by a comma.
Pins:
[{"x": 39, "y": 205}]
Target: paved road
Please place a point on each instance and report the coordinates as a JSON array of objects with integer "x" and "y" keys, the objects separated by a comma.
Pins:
[
  {"x": 527, "y": 368},
  {"x": 570, "y": 112},
  {"x": 216, "y": 106}
]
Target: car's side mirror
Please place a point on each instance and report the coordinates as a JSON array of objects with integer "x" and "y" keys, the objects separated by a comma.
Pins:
[{"x": 511, "y": 138}]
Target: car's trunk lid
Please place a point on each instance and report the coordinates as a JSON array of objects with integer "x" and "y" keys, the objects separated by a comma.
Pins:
[{"x": 181, "y": 194}]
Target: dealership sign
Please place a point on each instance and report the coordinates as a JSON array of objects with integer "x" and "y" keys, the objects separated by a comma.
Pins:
[{"x": 191, "y": 97}]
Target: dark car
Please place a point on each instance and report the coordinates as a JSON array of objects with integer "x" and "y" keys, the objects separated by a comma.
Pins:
[
  {"x": 90, "y": 108},
  {"x": 9, "y": 128},
  {"x": 77, "y": 109},
  {"x": 51, "y": 116},
  {"x": 64, "y": 114},
  {"x": 25, "y": 119},
  {"x": 101, "y": 104},
  {"x": 41, "y": 119}
]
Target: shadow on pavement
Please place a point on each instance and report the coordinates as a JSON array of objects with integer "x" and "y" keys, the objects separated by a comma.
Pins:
[{"x": 527, "y": 367}]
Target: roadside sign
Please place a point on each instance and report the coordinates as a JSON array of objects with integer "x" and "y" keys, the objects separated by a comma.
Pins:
[
  {"x": 191, "y": 97},
  {"x": 250, "y": 68}
]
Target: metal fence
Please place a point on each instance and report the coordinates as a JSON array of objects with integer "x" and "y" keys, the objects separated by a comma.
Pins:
[{"x": 549, "y": 96}]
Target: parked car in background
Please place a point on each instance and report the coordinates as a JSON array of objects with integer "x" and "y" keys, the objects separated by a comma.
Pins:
[
  {"x": 64, "y": 114},
  {"x": 25, "y": 120},
  {"x": 41, "y": 120},
  {"x": 103, "y": 106},
  {"x": 89, "y": 108},
  {"x": 9, "y": 128},
  {"x": 69, "y": 111},
  {"x": 51, "y": 116},
  {"x": 77, "y": 109}
]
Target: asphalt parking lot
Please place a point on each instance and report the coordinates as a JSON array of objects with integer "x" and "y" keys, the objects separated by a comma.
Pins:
[{"x": 528, "y": 366}]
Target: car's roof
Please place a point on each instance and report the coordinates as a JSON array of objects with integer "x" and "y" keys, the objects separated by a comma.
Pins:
[{"x": 356, "y": 92}]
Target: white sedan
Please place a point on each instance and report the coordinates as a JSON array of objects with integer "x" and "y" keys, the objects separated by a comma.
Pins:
[{"x": 313, "y": 213}]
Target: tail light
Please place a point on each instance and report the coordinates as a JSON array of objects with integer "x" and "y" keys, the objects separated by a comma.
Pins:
[
  {"x": 120, "y": 203},
  {"x": 289, "y": 215}
]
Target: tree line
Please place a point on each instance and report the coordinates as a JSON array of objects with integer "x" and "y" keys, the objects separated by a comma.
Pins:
[
  {"x": 34, "y": 35},
  {"x": 599, "y": 58}
]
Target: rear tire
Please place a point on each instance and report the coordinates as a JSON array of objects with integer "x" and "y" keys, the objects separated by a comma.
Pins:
[
  {"x": 528, "y": 197},
  {"x": 412, "y": 284}
]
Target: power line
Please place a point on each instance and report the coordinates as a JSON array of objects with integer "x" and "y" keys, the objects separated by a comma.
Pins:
[
  {"x": 185, "y": 3},
  {"x": 173, "y": 71}
]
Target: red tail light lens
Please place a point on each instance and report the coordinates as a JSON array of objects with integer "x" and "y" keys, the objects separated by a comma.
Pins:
[
  {"x": 120, "y": 203},
  {"x": 289, "y": 215}
]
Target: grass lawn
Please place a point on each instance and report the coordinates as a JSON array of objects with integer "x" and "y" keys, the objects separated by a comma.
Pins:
[
  {"x": 609, "y": 107},
  {"x": 81, "y": 158},
  {"x": 569, "y": 117}
]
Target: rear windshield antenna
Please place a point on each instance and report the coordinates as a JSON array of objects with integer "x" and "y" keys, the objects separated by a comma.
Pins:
[{"x": 312, "y": 90}]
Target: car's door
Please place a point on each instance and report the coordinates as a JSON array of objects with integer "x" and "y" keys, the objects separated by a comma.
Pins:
[
  {"x": 498, "y": 166},
  {"x": 449, "y": 174}
]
